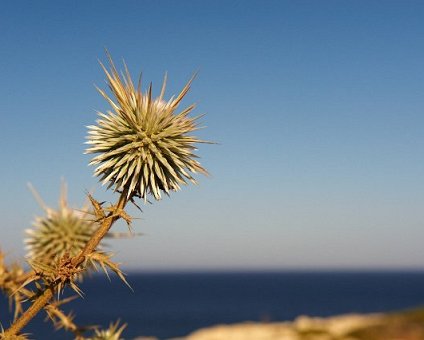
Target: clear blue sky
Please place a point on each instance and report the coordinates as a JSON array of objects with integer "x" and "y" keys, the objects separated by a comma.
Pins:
[{"x": 318, "y": 107}]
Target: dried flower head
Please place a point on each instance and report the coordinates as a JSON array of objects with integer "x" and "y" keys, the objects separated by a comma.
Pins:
[
  {"x": 11, "y": 278},
  {"x": 62, "y": 231},
  {"x": 143, "y": 145}
]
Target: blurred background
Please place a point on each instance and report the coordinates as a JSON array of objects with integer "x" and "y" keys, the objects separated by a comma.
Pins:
[{"x": 316, "y": 106}]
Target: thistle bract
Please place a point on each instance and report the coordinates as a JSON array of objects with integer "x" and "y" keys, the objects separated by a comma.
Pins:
[{"x": 143, "y": 145}]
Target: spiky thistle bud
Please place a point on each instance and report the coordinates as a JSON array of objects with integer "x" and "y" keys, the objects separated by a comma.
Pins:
[
  {"x": 61, "y": 231},
  {"x": 143, "y": 145},
  {"x": 112, "y": 333}
]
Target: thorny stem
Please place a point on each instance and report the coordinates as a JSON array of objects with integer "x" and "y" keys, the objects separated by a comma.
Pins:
[
  {"x": 102, "y": 230},
  {"x": 91, "y": 245},
  {"x": 32, "y": 311}
]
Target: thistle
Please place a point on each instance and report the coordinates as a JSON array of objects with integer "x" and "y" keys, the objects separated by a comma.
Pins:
[
  {"x": 11, "y": 278},
  {"x": 62, "y": 231},
  {"x": 143, "y": 145},
  {"x": 112, "y": 333}
]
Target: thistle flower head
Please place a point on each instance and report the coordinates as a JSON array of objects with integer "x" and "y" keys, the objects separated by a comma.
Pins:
[
  {"x": 143, "y": 146},
  {"x": 61, "y": 231}
]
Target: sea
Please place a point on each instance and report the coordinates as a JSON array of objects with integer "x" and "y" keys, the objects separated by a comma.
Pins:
[{"x": 170, "y": 305}]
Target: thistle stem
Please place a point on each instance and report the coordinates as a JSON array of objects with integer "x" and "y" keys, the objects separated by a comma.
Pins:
[
  {"x": 32, "y": 311},
  {"x": 102, "y": 230},
  {"x": 91, "y": 245}
]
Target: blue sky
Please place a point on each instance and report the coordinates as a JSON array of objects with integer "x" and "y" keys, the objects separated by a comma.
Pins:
[{"x": 317, "y": 107}]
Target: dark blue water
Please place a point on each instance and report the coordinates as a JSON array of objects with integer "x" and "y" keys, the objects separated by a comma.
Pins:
[{"x": 171, "y": 305}]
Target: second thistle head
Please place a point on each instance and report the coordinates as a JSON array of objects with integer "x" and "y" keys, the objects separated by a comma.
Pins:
[
  {"x": 143, "y": 145},
  {"x": 61, "y": 231}
]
